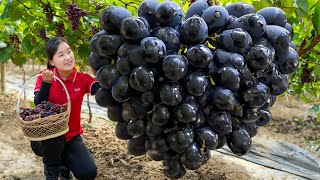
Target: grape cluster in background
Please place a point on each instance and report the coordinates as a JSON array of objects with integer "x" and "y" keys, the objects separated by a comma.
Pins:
[
  {"x": 74, "y": 14},
  {"x": 44, "y": 109},
  {"x": 181, "y": 84}
]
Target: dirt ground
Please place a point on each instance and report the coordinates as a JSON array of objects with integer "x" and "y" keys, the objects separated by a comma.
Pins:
[
  {"x": 295, "y": 122},
  {"x": 292, "y": 122}
]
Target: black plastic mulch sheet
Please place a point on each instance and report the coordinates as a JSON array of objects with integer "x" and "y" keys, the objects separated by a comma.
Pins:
[{"x": 281, "y": 156}]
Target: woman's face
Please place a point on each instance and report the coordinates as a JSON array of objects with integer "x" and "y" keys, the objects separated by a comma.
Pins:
[{"x": 63, "y": 59}]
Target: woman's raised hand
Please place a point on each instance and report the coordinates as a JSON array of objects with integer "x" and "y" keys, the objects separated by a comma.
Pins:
[{"x": 47, "y": 76}]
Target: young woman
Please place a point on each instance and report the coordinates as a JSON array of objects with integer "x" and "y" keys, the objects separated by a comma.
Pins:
[{"x": 65, "y": 153}]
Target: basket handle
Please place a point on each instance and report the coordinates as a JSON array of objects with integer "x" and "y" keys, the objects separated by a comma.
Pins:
[{"x": 24, "y": 88}]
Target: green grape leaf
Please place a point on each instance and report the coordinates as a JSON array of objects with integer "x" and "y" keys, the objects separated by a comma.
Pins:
[
  {"x": 270, "y": 2},
  {"x": 19, "y": 58},
  {"x": 15, "y": 13},
  {"x": 284, "y": 3},
  {"x": 5, "y": 54},
  {"x": 26, "y": 31},
  {"x": 26, "y": 46},
  {"x": 51, "y": 27},
  {"x": 83, "y": 51},
  {"x": 6, "y": 11},
  {"x": 39, "y": 50},
  {"x": 312, "y": 3},
  {"x": 259, "y": 4},
  {"x": 303, "y": 7},
  {"x": 316, "y": 17}
]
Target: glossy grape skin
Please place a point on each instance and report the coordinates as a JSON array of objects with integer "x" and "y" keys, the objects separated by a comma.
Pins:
[
  {"x": 254, "y": 24},
  {"x": 193, "y": 31},
  {"x": 220, "y": 122},
  {"x": 170, "y": 37},
  {"x": 121, "y": 91},
  {"x": 279, "y": 37},
  {"x": 134, "y": 29},
  {"x": 171, "y": 94},
  {"x": 223, "y": 99},
  {"x": 229, "y": 78},
  {"x": 154, "y": 49},
  {"x": 196, "y": 9},
  {"x": 239, "y": 9},
  {"x": 239, "y": 141},
  {"x": 288, "y": 61},
  {"x": 235, "y": 40},
  {"x": 96, "y": 62},
  {"x": 142, "y": 78},
  {"x": 121, "y": 131},
  {"x": 175, "y": 67},
  {"x": 111, "y": 17},
  {"x": 207, "y": 138},
  {"x": 196, "y": 83},
  {"x": 199, "y": 56},
  {"x": 147, "y": 10},
  {"x": 273, "y": 16},
  {"x": 169, "y": 13},
  {"x": 215, "y": 17},
  {"x": 257, "y": 95},
  {"x": 107, "y": 75}
]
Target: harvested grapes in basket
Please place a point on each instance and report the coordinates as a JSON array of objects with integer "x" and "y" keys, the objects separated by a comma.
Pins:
[{"x": 44, "y": 109}]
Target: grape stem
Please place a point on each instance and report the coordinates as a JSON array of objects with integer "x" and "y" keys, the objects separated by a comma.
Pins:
[
  {"x": 315, "y": 40},
  {"x": 29, "y": 9},
  {"x": 302, "y": 51},
  {"x": 126, "y": 4},
  {"x": 89, "y": 107}
]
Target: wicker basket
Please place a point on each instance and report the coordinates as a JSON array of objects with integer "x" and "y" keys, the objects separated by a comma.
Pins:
[{"x": 47, "y": 127}]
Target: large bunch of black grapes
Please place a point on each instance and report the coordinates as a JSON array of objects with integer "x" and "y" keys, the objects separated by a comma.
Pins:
[{"x": 179, "y": 85}]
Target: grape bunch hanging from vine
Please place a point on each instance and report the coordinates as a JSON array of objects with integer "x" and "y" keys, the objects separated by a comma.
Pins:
[
  {"x": 74, "y": 14},
  {"x": 48, "y": 11},
  {"x": 59, "y": 28}
]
